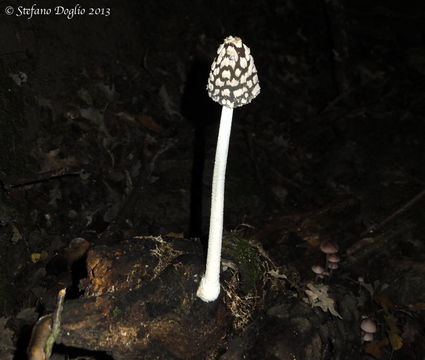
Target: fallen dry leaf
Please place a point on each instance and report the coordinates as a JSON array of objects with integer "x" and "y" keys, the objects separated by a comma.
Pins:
[
  {"x": 149, "y": 123},
  {"x": 395, "y": 340},
  {"x": 175, "y": 235},
  {"x": 145, "y": 120},
  {"x": 385, "y": 302},
  {"x": 374, "y": 348},
  {"x": 318, "y": 296},
  {"x": 420, "y": 306},
  {"x": 52, "y": 162},
  {"x": 393, "y": 332},
  {"x": 7, "y": 347},
  {"x": 36, "y": 257}
]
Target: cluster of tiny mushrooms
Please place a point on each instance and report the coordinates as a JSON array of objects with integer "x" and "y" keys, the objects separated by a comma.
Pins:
[
  {"x": 233, "y": 82},
  {"x": 368, "y": 327},
  {"x": 332, "y": 260}
]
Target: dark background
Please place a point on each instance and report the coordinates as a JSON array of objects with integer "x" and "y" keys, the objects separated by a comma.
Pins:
[{"x": 106, "y": 129}]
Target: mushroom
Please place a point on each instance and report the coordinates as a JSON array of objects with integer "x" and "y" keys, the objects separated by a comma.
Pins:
[
  {"x": 368, "y": 327},
  {"x": 332, "y": 261},
  {"x": 334, "y": 258},
  {"x": 330, "y": 249},
  {"x": 367, "y": 337},
  {"x": 332, "y": 265},
  {"x": 317, "y": 269},
  {"x": 233, "y": 82}
]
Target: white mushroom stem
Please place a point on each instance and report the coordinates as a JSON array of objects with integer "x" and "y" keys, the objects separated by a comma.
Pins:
[
  {"x": 209, "y": 288},
  {"x": 232, "y": 82}
]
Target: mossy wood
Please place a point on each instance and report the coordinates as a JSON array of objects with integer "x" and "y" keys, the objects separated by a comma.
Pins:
[{"x": 139, "y": 298}]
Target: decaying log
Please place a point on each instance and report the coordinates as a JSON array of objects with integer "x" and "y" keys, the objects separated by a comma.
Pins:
[{"x": 139, "y": 297}]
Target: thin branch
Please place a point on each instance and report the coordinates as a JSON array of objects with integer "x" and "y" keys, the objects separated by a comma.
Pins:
[
  {"x": 42, "y": 177},
  {"x": 372, "y": 229},
  {"x": 56, "y": 324}
]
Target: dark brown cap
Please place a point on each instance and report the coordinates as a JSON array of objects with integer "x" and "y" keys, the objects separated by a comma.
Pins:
[{"x": 233, "y": 79}]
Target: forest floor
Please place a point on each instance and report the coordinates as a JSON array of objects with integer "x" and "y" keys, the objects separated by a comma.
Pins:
[{"x": 107, "y": 133}]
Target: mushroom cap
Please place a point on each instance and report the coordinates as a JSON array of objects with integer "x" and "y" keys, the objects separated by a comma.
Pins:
[
  {"x": 333, "y": 265},
  {"x": 317, "y": 269},
  {"x": 368, "y": 325},
  {"x": 329, "y": 248},
  {"x": 233, "y": 79},
  {"x": 367, "y": 337},
  {"x": 333, "y": 258}
]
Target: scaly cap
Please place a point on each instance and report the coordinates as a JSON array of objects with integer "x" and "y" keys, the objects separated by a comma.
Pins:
[{"x": 233, "y": 79}]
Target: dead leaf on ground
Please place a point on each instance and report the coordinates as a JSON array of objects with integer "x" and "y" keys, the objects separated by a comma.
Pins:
[
  {"x": 145, "y": 120},
  {"x": 175, "y": 235},
  {"x": 169, "y": 105},
  {"x": 52, "y": 162},
  {"x": 361, "y": 244},
  {"x": 317, "y": 295},
  {"x": 420, "y": 306},
  {"x": 7, "y": 347},
  {"x": 385, "y": 302},
  {"x": 393, "y": 332},
  {"x": 395, "y": 340},
  {"x": 36, "y": 257},
  {"x": 374, "y": 348},
  {"x": 149, "y": 123}
]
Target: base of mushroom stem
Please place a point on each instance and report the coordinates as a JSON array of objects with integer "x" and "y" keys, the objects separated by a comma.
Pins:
[{"x": 208, "y": 290}]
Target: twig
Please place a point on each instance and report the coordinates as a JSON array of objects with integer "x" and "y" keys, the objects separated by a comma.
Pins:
[
  {"x": 372, "y": 229},
  {"x": 45, "y": 176},
  {"x": 45, "y": 332},
  {"x": 151, "y": 166},
  {"x": 56, "y": 324}
]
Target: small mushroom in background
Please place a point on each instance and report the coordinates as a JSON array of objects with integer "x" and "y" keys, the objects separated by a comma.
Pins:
[
  {"x": 76, "y": 249},
  {"x": 67, "y": 257},
  {"x": 368, "y": 327},
  {"x": 334, "y": 258},
  {"x": 332, "y": 266},
  {"x": 330, "y": 249},
  {"x": 319, "y": 271},
  {"x": 367, "y": 337},
  {"x": 233, "y": 82}
]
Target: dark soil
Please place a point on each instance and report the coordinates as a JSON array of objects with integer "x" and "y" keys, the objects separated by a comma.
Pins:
[{"x": 107, "y": 133}]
